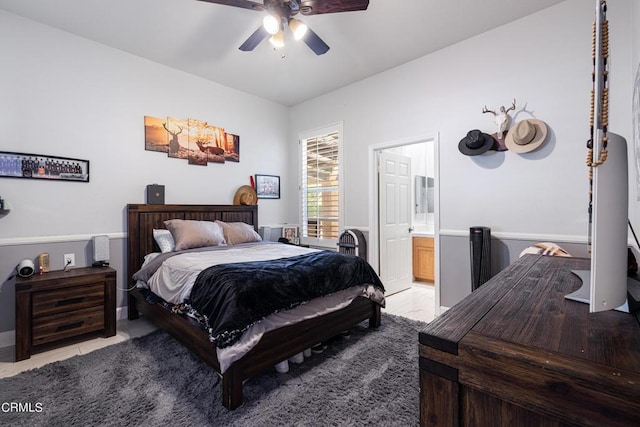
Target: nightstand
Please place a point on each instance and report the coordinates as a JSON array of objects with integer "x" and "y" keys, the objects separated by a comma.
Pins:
[{"x": 61, "y": 307}]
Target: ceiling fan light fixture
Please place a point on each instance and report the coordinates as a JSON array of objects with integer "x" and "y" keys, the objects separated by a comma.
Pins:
[
  {"x": 277, "y": 40},
  {"x": 298, "y": 28},
  {"x": 271, "y": 23}
]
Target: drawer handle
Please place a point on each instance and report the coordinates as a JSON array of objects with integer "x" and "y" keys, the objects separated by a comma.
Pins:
[
  {"x": 69, "y": 326},
  {"x": 69, "y": 301}
]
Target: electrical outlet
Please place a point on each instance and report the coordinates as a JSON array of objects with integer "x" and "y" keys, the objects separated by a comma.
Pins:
[{"x": 69, "y": 260}]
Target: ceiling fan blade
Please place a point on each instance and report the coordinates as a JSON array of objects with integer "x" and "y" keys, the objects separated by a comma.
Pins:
[
  {"x": 317, "y": 7},
  {"x": 245, "y": 4},
  {"x": 254, "y": 39},
  {"x": 315, "y": 42}
]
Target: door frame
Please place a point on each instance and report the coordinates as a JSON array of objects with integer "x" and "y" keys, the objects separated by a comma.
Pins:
[{"x": 374, "y": 202}]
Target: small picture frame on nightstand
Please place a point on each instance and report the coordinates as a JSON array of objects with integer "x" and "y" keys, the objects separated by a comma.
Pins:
[{"x": 290, "y": 233}]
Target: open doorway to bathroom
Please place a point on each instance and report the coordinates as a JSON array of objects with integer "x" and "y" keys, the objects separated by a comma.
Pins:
[{"x": 403, "y": 182}]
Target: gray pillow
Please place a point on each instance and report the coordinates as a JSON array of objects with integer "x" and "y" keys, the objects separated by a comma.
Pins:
[
  {"x": 238, "y": 232},
  {"x": 194, "y": 234}
]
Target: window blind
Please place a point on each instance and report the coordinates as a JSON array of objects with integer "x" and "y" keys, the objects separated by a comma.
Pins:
[{"x": 320, "y": 187}]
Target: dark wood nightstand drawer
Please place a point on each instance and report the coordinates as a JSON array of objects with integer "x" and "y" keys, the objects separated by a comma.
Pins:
[
  {"x": 69, "y": 299},
  {"x": 65, "y": 325},
  {"x": 63, "y": 307}
]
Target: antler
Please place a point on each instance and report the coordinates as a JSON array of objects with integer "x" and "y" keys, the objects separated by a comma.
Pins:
[
  {"x": 513, "y": 106},
  {"x": 164, "y": 125},
  {"x": 486, "y": 110}
]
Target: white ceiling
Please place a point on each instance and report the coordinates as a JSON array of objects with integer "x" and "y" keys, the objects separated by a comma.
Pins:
[{"x": 202, "y": 38}]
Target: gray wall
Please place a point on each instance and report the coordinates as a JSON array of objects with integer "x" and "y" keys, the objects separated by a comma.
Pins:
[
  {"x": 10, "y": 256},
  {"x": 456, "y": 262}
]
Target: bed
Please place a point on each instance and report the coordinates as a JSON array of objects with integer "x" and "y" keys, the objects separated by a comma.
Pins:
[{"x": 274, "y": 347}]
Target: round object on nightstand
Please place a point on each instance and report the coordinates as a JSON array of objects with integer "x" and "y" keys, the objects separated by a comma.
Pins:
[{"x": 25, "y": 268}]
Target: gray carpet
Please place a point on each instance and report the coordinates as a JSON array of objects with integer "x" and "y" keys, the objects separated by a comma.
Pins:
[{"x": 370, "y": 378}]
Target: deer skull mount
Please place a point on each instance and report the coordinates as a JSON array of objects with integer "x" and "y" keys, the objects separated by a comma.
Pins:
[{"x": 502, "y": 119}]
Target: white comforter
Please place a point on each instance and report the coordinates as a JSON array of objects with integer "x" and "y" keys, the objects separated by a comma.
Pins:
[{"x": 175, "y": 278}]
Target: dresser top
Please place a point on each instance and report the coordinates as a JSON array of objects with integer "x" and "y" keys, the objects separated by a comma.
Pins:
[
  {"x": 62, "y": 275},
  {"x": 524, "y": 305}
]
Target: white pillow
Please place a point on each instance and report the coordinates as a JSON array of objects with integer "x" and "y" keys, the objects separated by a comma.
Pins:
[
  {"x": 150, "y": 257},
  {"x": 164, "y": 239}
]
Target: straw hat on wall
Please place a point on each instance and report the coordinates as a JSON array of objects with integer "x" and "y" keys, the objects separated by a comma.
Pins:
[{"x": 245, "y": 195}]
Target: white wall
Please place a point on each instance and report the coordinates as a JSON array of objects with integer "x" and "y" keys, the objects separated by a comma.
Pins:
[
  {"x": 63, "y": 95},
  {"x": 544, "y": 61}
]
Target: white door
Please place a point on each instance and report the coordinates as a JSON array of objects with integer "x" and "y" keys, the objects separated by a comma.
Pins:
[{"x": 395, "y": 221}]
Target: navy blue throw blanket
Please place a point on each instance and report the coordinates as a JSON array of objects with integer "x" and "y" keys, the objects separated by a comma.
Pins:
[{"x": 237, "y": 295}]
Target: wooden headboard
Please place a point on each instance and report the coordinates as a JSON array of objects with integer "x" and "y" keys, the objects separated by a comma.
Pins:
[{"x": 142, "y": 219}]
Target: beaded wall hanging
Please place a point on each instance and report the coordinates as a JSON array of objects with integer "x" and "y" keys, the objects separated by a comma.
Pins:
[{"x": 599, "y": 113}]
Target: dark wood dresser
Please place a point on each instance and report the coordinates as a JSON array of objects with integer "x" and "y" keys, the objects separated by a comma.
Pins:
[
  {"x": 517, "y": 353},
  {"x": 61, "y": 307}
]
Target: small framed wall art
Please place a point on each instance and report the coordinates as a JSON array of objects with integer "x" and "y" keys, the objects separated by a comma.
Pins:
[
  {"x": 268, "y": 186},
  {"x": 38, "y": 166}
]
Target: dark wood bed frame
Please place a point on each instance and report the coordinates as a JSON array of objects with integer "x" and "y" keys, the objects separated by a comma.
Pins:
[{"x": 275, "y": 346}]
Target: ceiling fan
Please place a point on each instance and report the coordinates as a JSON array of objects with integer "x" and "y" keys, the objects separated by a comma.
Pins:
[{"x": 280, "y": 15}]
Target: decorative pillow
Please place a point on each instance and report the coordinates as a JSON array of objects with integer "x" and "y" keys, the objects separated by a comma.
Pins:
[
  {"x": 545, "y": 248},
  {"x": 238, "y": 232},
  {"x": 164, "y": 239},
  {"x": 194, "y": 234}
]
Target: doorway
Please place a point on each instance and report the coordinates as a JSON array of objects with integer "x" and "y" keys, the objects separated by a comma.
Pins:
[{"x": 424, "y": 212}]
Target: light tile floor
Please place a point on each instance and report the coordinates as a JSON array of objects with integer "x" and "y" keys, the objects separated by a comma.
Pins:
[
  {"x": 416, "y": 303},
  {"x": 125, "y": 330}
]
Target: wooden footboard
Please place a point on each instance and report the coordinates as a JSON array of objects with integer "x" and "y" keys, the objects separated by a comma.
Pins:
[
  {"x": 283, "y": 343},
  {"x": 274, "y": 347}
]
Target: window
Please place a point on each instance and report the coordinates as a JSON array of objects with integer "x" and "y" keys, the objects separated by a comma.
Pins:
[{"x": 320, "y": 189}]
